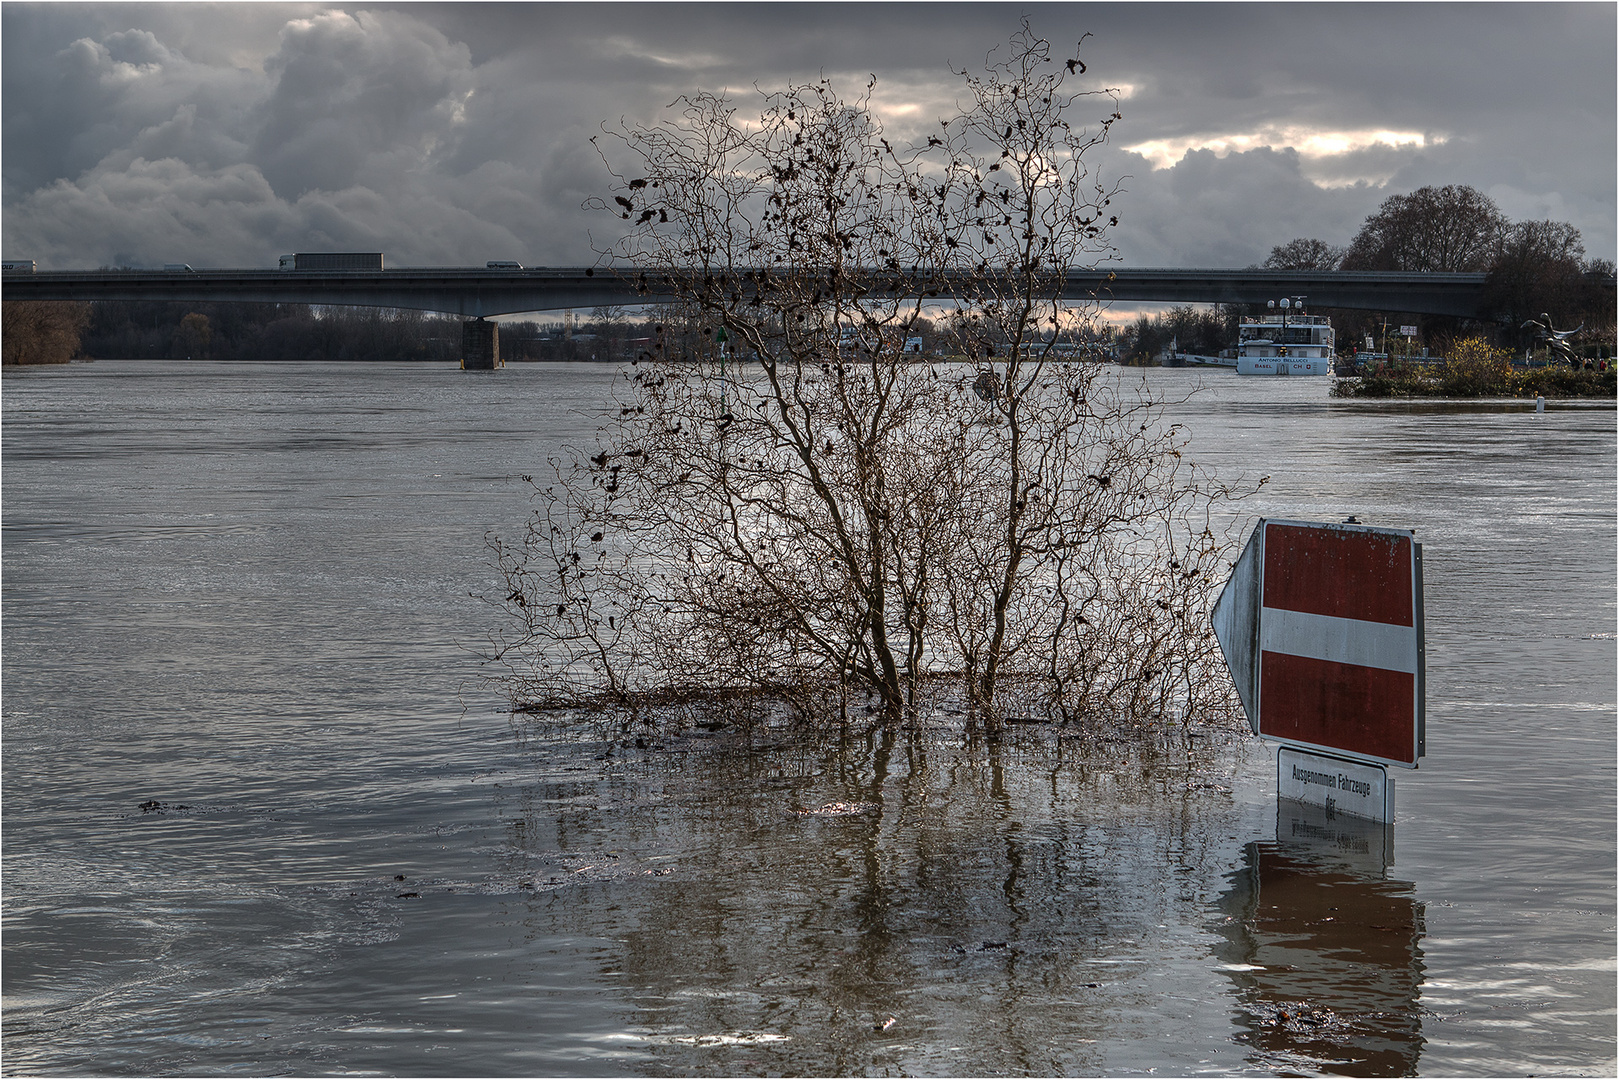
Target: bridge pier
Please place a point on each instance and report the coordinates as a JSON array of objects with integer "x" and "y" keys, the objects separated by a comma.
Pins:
[{"x": 480, "y": 345}]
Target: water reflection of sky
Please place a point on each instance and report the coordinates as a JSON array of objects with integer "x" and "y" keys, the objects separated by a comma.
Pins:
[{"x": 262, "y": 628}]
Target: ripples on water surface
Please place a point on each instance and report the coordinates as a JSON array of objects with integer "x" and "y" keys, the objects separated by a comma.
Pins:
[{"x": 260, "y": 817}]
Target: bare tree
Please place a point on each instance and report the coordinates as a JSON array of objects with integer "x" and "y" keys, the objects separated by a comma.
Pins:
[
  {"x": 1304, "y": 254},
  {"x": 784, "y": 506},
  {"x": 1451, "y": 228},
  {"x": 1537, "y": 271}
]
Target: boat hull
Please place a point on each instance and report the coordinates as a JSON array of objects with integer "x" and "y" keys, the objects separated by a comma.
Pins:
[{"x": 1281, "y": 365}]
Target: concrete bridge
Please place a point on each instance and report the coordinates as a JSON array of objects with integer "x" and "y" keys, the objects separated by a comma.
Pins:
[{"x": 477, "y": 293}]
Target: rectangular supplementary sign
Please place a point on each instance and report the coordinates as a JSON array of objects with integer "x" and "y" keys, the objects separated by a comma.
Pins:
[
  {"x": 1340, "y": 664},
  {"x": 1338, "y": 785}
]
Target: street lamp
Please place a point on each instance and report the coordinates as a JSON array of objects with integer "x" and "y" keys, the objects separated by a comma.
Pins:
[
  {"x": 1281, "y": 338},
  {"x": 1285, "y": 303}
]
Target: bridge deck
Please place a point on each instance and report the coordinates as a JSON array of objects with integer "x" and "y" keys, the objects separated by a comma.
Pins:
[{"x": 472, "y": 292}]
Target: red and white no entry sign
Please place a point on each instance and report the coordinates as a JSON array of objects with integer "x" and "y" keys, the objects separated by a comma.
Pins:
[{"x": 1322, "y": 629}]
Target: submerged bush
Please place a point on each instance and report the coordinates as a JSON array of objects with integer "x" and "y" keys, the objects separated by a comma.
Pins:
[
  {"x": 1473, "y": 368},
  {"x": 1566, "y": 382},
  {"x": 836, "y": 530}
]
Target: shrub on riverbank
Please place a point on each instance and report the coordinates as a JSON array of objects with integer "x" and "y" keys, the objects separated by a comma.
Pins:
[
  {"x": 41, "y": 331},
  {"x": 1474, "y": 369},
  {"x": 1566, "y": 382}
]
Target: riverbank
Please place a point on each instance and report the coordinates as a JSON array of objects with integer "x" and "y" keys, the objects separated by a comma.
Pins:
[{"x": 1443, "y": 382}]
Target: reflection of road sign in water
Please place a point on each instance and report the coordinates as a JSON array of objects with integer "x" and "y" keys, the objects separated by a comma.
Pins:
[
  {"x": 1321, "y": 626},
  {"x": 1324, "y": 952}
]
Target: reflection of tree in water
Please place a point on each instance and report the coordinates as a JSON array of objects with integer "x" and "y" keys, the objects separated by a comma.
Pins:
[
  {"x": 1324, "y": 950},
  {"x": 995, "y": 904}
]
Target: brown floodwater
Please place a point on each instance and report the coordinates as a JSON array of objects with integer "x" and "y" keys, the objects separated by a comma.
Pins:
[{"x": 261, "y": 815}]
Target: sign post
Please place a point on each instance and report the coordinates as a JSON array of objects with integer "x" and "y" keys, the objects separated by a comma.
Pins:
[{"x": 1322, "y": 628}]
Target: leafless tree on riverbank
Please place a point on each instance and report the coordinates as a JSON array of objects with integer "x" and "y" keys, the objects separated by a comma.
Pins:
[{"x": 786, "y": 507}]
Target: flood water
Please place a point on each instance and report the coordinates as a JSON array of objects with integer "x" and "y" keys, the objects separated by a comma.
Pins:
[{"x": 260, "y": 816}]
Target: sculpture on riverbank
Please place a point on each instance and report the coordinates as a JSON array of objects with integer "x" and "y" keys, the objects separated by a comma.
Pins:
[{"x": 1556, "y": 340}]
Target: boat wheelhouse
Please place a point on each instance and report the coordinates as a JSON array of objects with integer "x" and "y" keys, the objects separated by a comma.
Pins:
[
  {"x": 1286, "y": 342},
  {"x": 1283, "y": 341}
]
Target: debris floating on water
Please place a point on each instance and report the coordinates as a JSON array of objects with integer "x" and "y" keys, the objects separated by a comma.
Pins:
[{"x": 835, "y": 809}]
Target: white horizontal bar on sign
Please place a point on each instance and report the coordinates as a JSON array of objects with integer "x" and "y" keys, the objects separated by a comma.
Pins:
[{"x": 1344, "y": 641}]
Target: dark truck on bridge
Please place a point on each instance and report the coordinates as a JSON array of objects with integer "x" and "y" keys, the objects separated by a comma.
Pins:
[{"x": 333, "y": 260}]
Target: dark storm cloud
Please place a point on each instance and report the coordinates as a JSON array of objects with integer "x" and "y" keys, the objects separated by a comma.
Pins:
[
  {"x": 224, "y": 134},
  {"x": 357, "y": 99},
  {"x": 1230, "y": 211}
]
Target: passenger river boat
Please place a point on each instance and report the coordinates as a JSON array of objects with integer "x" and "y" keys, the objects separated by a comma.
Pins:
[{"x": 1284, "y": 341}]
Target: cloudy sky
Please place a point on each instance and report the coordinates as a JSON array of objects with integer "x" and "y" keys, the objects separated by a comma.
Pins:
[{"x": 226, "y": 134}]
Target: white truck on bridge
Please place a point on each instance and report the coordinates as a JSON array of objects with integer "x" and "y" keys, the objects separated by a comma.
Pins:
[{"x": 333, "y": 260}]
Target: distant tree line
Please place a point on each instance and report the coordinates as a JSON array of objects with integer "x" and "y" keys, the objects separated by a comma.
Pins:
[
  {"x": 1201, "y": 330},
  {"x": 1534, "y": 267},
  {"x": 610, "y": 334},
  {"x": 155, "y": 330},
  {"x": 55, "y": 332}
]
